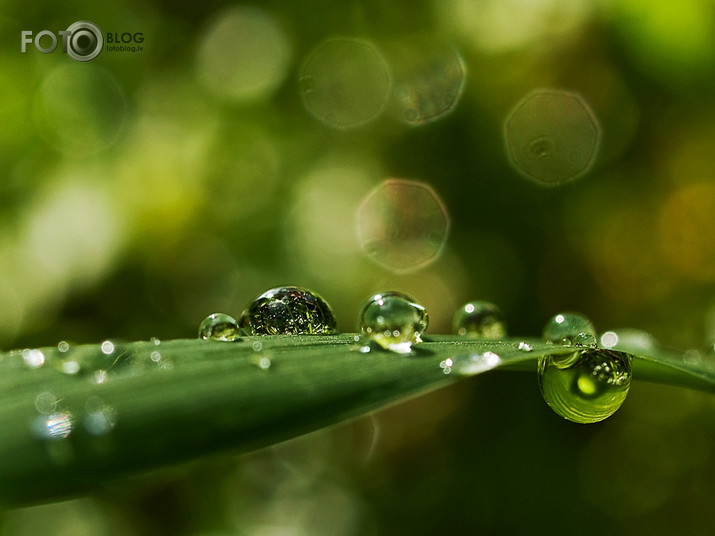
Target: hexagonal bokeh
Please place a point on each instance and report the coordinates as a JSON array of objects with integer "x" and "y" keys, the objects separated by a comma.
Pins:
[
  {"x": 402, "y": 225},
  {"x": 552, "y": 136},
  {"x": 345, "y": 83}
]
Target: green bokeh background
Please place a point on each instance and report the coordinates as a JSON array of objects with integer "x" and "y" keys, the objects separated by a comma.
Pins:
[{"x": 137, "y": 197}]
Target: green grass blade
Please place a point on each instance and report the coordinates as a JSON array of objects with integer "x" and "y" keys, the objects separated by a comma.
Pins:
[{"x": 75, "y": 420}]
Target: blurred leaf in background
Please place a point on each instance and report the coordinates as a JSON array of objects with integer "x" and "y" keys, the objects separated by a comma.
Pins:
[{"x": 143, "y": 190}]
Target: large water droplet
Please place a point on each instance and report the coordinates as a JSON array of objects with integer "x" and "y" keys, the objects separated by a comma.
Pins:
[
  {"x": 219, "y": 327},
  {"x": 585, "y": 386},
  {"x": 393, "y": 320},
  {"x": 479, "y": 319},
  {"x": 552, "y": 136},
  {"x": 402, "y": 225},
  {"x": 571, "y": 329},
  {"x": 345, "y": 83},
  {"x": 288, "y": 310}
]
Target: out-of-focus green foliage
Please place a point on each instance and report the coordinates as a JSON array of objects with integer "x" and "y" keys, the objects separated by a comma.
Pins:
[{"x": 143, "y": 190}]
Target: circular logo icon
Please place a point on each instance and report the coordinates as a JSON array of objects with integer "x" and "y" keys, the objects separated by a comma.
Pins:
[{"x": 85, "y": 41}]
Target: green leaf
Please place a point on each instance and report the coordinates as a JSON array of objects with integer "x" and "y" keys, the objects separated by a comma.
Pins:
[{"x": 72, "y": 421}]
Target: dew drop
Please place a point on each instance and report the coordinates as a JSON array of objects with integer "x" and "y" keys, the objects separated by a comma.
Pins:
[
  {"x": 471, "y": 364},
  {"x": 393, "y": 320},
  {"x": 288, "y": 310},
  {"x": 70, "y": 367},
  {"x": 107, "y": 347},
  {"x": 219, "y": 327},
  {"x": 257, "y": 346},
  {"x": 479, "y": 320},
  {"x": 552, "y": 136},
  {"x": 155, "y": 341},
  {"x": 572, "y": 329},
  {"x": 33, "y": 358},
  {"x": 100, "y": 418},
  {"x": 524, "y": 346},
  {"x": 585, "y": 386},
  {"x": 63, "y": 346},
  {"x": 54, "y": 425}
]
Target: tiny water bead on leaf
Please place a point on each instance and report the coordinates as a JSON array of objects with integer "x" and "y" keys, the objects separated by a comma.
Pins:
[
  {"x": 479, "y": 319},
  {"x": 393, "y": 320},
  {"x": 571, "y": 329},
  {"x": 288, "y": 310},
  {"x": 345, "y": 83},
  {"x": 585, "y": 386},
  {"x": 219, "y": 327},
  {"x": 402, "y": 225},
  {"x": 552, "y": 136}
]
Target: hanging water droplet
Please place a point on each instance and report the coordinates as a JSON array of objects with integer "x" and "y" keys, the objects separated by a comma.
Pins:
[
  {"x": 219, "y": 327},
  {"x": 393, "y": 320},
  {"x": 524, "y": 346},
  {"x": 585, "y": 386},
  {"x": 479, "y": 319},
  {"x": 571, "y": 329},
  {"x": 288, "y": 310}
]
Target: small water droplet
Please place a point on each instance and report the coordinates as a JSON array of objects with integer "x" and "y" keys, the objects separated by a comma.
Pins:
[
  {"x": 45, "y": 402},
  {"x": 393, "y": 320},
  {"x": 262, "y": 362},
  {"x": 257, "y": 346},
  {"x": 219, "y": 327},
  {"x": 107, "y": 347},
  {"x": 63, "y": 346},
  {"x": 70, "y": 367},
  {"x": 288, "y": 310},
  {"x": 585, "y": 386},
  {"x": 155, "y": 357},
  {"x": 33, "y": 358},
  {"x": 100, "y": 418},
  {"x": 479, "y": 319},
  {"x": 53, "y": 426},
  {"x": 570, "y": 329},
  {"x": 446, "y": 365},
  {"x": 471, "y": 364},
  {"x": 524, "y": 346},
  {"x": 155, "y": 341},
  {"x": 100, "y": 376}
]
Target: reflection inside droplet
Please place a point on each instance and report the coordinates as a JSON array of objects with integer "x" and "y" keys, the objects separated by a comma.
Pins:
[{"x": 53, "y": 426}]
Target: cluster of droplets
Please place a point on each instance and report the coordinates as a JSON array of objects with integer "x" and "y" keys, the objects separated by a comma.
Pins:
[{"x": 587, "y": 384}]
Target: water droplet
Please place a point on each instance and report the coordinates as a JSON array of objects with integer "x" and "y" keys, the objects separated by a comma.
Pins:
[
  {"x": 262, "y": 362},
  {"x": 219, "y": 327},
  {"x": 393, "y": 320},
  {"x": 45, "y": 403},
  {"x": 70, "y": 367},
  {"x": 33, "y": 358},
  {"x": 479, "y": 319},
  {"x": 155, "y": 341},
  {"x": 471, "y": 364},
  {"x": 524, "y": 346},
  {"x": 570, "y": 329},
  {"x": 53, "y": 426},
  {"x": 288, "y": 310},
  {"x": 100, "y": 418},
  {"x": 107, "y": 347},
  {"x": 552, "y": 136},
  {"x": 585, "y": 386},
  {"x": 257, "y": 346},
  {"x": 345, "y": 83},
  {"x": 63, "y": 346},
  {"x": 100, "y": 376},
  {"x": 446, "y": 365},
  {"x": 402, "y": 225}
]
